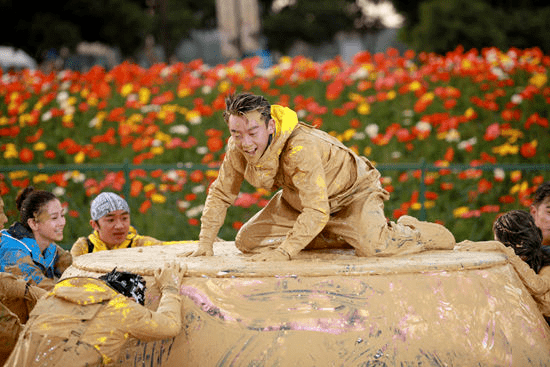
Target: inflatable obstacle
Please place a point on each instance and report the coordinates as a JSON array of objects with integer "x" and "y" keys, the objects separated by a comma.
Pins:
[{"x": 332, "y": 308}]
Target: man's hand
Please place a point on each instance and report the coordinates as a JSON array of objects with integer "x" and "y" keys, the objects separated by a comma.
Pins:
[
  {"x": 202, "y": 250},
  {"x": 170, "y": 276},
  {"x": 272, "y": 255}
]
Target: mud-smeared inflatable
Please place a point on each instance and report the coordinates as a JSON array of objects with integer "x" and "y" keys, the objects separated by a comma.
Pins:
[{"x": 331, "y": 308}]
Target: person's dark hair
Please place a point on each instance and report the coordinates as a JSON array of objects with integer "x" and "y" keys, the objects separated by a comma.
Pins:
[
  {"x": 128, "y": 284},
  {"x": 517, "y": 229},
  {"x": 30, "y": 203},
  {"x": 240, "y": 104},
  {"x": 543, "y": 192}
]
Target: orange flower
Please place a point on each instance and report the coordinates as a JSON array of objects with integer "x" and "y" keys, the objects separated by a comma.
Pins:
[
  {"x": 145, "y": 206},
  {"x": 135, "y": 188},
  {"x": 196, "y": 176},
  {"x": 26, "y": 155}
]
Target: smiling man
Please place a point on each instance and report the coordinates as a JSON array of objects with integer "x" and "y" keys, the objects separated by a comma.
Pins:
[
  {"x": 112, "y": 229},
  {"x": 329, "y": 197}
]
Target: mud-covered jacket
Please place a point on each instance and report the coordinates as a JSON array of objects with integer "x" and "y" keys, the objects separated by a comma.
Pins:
[
  {"x": 115, "y": 318},
  {"x": 17, "y": 299},
  {"x": 21, "y": 255},
  {"x": 92, "y": 243},
  {"x": 318, "y": 176}
]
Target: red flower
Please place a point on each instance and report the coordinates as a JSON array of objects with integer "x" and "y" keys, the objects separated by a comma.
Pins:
[
  {"x": 145, "y": 206},
  {"x": 196, "y": 176},
  {"x": 26, "y": 155},
  {"x": 529, "y": 150},
  {"x": 193, "y": 221}
]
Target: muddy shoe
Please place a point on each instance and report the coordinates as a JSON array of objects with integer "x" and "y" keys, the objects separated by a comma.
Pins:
[{"x": 434, "y": 236}]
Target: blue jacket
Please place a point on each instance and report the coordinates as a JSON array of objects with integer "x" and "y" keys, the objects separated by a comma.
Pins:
[{"x": 20, "y": 254}]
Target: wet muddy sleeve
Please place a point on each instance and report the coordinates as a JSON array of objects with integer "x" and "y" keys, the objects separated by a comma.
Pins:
[
  {"x": 535, "y": 284},
  {"x": 162, "y": 324},
  {"x": 12, "y": 287},
  {"x": 221, "y": 194},
  {"x": 22, "y": 265},
  {"x": 304, "y": 168},
  {"x": 80, "y": 247}
]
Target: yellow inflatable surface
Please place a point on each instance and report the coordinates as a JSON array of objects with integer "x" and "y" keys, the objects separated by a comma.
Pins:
[{"x": 331, "y": 308}]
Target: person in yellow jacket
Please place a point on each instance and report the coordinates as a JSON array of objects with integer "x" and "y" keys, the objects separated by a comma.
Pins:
[
  {"x": 87, "y": 321},
  {"x": 110, "y": 221},
  {"x": 328, "y": 195}
]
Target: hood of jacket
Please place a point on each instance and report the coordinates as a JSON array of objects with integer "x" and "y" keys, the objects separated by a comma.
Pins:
[
  {"x": 83, "y": 290},
  {"x": 262, "y": 173}
]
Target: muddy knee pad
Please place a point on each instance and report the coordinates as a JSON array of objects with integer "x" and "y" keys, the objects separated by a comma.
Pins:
[{"x": 433, "y": 236}]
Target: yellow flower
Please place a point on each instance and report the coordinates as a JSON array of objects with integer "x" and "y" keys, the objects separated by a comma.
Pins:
[
  {"x": 538, "y": 80},
  {"x": 211, "y": 173},
  {"x": 144, "y": 95},
  {"x": 184, "y": 92},
  {"x": 348, "y": 134},
  {"x": 367, "y": 151},
  {"x": 92, "y": 101},
  {"x": 363, "y": 108},
  {"x": 157, "y": 150},
  {"x": 4, "y": 120},
  {"x": 84, "y": 93},
  {"x": 40, "y": 178},
  {"x": 136, "y": 117},
  {"x": 149, "y": 187},
  {"x": 414, "y": 86},
  {"x": 17, "y": 175},
  {"x": 522, "y": 187},
  {"x": 469, "y": 112},
  {"x": 126, "y": 89},
  {"x": 391, "y": 95},
  {"x": 71, "y": 101},
  {"x": 224, "y": 86},
  {"x": 429, "y": 204},
  {"x": 158, "y": 198},
  {"x": 79, "y": 157},
  {"x": 11, "y": 151},
  {"x": 460, "y": 211},
  {"x": 67, "y": 118},
  {"x": 39, "y": 147},
  {"x": 162, "y": 136},
  {"x": 416, "y": 206},
  {"x": 505, "y": 149}
]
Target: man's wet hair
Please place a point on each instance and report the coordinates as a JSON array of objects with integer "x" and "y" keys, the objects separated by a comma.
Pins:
[
  {"x": 517, "y": 229},
  {"x": 543, "y": 192},
  {"x": 126, "y": 283},
  {"x": 243, "y": 103}
]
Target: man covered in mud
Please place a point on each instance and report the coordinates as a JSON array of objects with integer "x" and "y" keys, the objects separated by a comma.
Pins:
[
  {"x": 329, "y": 197},
  {"x": 87, "y": 321},
  {"x": 110, "y": 221}
]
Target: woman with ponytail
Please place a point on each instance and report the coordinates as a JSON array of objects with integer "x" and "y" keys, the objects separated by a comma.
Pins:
[{"x": 28, "y": 248}]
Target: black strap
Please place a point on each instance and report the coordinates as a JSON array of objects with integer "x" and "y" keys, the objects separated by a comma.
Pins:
[{"x": 90, "y": 245}]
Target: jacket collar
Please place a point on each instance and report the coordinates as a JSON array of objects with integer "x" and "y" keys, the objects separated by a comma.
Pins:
[{"x": 262, "y": 173}]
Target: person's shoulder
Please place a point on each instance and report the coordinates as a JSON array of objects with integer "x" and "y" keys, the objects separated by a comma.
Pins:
[{"x": 80, "y": 246}]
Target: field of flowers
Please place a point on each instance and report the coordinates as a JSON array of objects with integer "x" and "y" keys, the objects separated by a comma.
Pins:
[{"x": 459, "y": 138}]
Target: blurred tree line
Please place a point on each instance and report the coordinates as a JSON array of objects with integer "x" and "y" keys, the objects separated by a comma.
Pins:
[{"x": 430, "y": 25}]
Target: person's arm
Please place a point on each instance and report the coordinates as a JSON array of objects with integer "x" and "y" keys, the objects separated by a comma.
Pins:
[
  {"x": 303, "y": 166},
  {"x": 20, "y": 263},
  {"x": 64, "y": 259},
  {"x": 221, "y": 195},
  {"x": 535, "y": 284},
  {"x": 80, "y": 247},
  {"x": 166, "y": 321}
]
